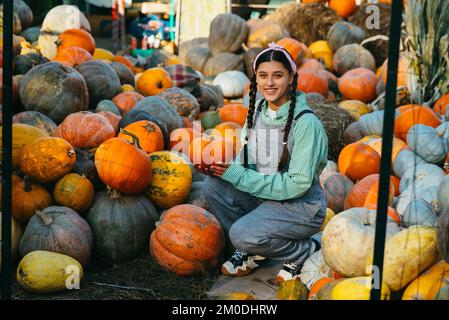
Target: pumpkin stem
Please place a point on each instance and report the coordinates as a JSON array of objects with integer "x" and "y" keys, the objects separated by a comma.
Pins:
[
  {"x": 46, "y": 219},
  {"x": 71, "y": 153},
  {"x": 136, "y": 141},
  {"x": 149, "y": 128},
  {"x": 58, "y": 42},
  {"x": 114, "y": 194},
  {"x": 27, "y": 182}
]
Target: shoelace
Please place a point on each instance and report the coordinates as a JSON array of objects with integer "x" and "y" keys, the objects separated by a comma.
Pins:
[
  {"x": 291, "y": 266},
  {"x": 238, "y": 255}
]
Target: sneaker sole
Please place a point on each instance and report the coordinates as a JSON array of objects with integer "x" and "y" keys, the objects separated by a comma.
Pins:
[{"x": 240, "y": 273}]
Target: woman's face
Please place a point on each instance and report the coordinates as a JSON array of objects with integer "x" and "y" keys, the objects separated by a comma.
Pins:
[{"x": 273, "y": 82}]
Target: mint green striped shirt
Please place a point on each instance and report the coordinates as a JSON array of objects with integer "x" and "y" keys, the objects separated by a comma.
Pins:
[{"x": 307, "y": 160}]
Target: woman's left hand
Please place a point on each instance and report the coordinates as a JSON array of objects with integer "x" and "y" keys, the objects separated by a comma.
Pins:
[{"x": 218, "y": 169}]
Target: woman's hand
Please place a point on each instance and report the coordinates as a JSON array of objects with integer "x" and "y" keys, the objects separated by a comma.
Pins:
[{"x": 218, "y": 169}]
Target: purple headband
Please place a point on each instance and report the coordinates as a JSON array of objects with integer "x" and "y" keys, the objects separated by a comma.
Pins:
[{"x": 275, "y": 47}]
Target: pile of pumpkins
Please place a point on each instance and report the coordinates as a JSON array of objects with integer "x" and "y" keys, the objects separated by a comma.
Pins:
[{"x": 102, "y": 155}]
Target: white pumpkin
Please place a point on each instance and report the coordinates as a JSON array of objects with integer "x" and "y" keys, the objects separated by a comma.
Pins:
[
  {"x": 330, "y": 168},
  {"x": 406, "y": 160},
  {"x": 16, "y": 234},
  {"x": 407, "y": 254},
  {"x": 427, "y": 143},
  {"x": 314, "y": 269},
  {"x": 232, "y": 83},
  {"x": 58, "y": 20},
  {"x": 419, "y": 212},
  {"x": 348, "y": 240}
]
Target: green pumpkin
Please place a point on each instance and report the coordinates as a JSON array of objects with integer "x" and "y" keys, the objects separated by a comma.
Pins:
[
  {"x": 210, "y": 119},
  {"x": 107, "y": 105}
]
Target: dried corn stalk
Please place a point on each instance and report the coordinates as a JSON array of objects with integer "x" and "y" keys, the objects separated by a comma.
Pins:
[{"x": 426, "y": 46}]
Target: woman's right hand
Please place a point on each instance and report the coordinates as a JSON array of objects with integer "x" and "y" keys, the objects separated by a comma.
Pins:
[{"x": 202, "y": 169}]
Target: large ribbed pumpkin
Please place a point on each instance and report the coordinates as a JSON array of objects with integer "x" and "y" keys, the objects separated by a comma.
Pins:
[
  {"x": 123, "y": 166},
  {"x": 124, "y": 73},
  {"x": 343, "y": 33},
  {"x": 172, "y": 179},
  {"x": 348, "y": 239},
  {"x": 85, "y": 130},
  {"x": 22, "y": 135},
  {"x": 149, "y": 134},
  {"x": 358, "y": 160},
  {"x": 74, "y": 191},
  {"x": 47, "y": 159},
  {"x": 60, "y": 230},
  {"x": 121, "y": 225},
  {"x": 407, "y": 254},
  {"x": 55, "y": 90},
  {"x": 58, "y": 20},
  {"x": 102, "y": 81},
  {"x": 187, "y": 239},
  {"x": 227, "y": 33},
  {"x": 312, "y": 82},
  {"x": 27, "y": 197},
  {"x": 353, "y": 56}
]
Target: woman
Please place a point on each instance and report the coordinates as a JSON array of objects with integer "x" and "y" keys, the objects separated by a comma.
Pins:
[{"x": 269, "y": 200}]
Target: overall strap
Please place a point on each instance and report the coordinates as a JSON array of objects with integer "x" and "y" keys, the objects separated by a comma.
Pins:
[
  {"x": 245, "y": 146},
  {"x": 303, "y": 113}
]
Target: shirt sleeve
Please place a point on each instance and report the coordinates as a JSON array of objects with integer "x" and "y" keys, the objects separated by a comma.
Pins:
[{"x": 309, "y": 148}]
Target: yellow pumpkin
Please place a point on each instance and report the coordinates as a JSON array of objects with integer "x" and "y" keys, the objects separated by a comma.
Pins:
[
  {"x": 358, "y": 288},
  {"x": 16, "y": 234},
  {"x": 74, "y": 191},
  {"x": 329, "y": 215},
  {"x": 292, "y": 290},
  {"x": 103, "y": 54},
  {"x": 22, "y": 135},
  {"x": 407, "y": 254},
  {"x": 321, "y": 50},
  {"x": 172, "y": 179},
  {"x": 45, "y": 272},
  {"x": 127, "y": 87},
  {"x": 440, "y": 289},
  {"x": 355, "y": 107},
  {"x": 420, "y": 287}
]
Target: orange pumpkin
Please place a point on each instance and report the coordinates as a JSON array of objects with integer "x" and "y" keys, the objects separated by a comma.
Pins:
[
  {"x": 123, "y": 166},
  {"x": 344, "y": 8},
  {"x": 125, "y": 101},
  {"x": 187, "y": 239},
  {"x": 47, "y": 159},
  {"x": 27, "y": 197},
  {"x": 181, "y": 138},
  {"x": 208, "y": 150},
  {"x": 359, "y": 84},
  {"x": 150, "y": 135},
  {"x": 124, "y": 61},
  {"x": 358, "y": 160},
  {"x": 153, "y": 81},
  {"x": 375, "y": 142},
  {"x": 395, "y": 181},
  {"x": 73, "y": 56},
  {"x": 371, "y": 198},
  {"x": 402, "y": 72},
  {"x": 85, "y": 130},
  {"x": 312, "y": 82},
  {"x": 415, "y": 115},
  {"x": 76, "y": 38},
  {"x": 296, "y": 49},
  {"x": 113, "y": 119},
  {"x": 317, "y": 286},
  {"x": 310, "y": 65},
  {"x": 230, "y": 131},
  {"x": 441, "y": 105},
  {"x": 235, "y": 112},
  {"x": 74, "y": 191}
]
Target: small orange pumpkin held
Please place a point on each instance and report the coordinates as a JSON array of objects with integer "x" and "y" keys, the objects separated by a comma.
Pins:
[
  {"x": 153, "y": 81},
  {"x": 209, "y": 150},
  {"x": 150, "y": 135},
  {"x": 123, "y": 166},
  {"x": 187, "y": 239}
]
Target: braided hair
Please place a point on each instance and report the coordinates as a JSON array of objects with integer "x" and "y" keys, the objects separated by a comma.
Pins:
[{"x": 279, "y": 57}]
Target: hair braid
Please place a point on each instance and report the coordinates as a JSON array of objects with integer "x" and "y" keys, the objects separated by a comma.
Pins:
[
  {"x": 252, "y": 103},
  {"x": 288, "y": 125}
]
